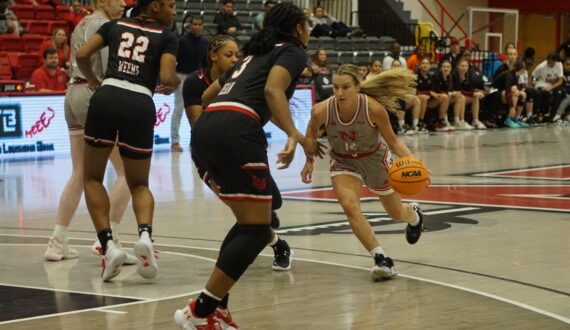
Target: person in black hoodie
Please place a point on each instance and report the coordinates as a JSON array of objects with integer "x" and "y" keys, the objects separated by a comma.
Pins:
[{"x": 506, "y": 83}]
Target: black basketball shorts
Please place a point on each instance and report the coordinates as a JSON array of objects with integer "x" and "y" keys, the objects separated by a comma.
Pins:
[
  {"x": 117, "y": 112},
  {"x": 231, "y": 148}
]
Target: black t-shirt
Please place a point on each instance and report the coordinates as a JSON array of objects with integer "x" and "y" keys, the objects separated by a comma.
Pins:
[
  {"x": 425, "y": 82},
  {"x": 506, "y": 80},
  {"x": 135, "y": 47},
  {"x": 472, "y": 81},
  {"x": 245, "y": 82},
  {"x": 502, "y": 68},
  {"x": 442, "y": 85},
  {"x": 194, "y": 86}
]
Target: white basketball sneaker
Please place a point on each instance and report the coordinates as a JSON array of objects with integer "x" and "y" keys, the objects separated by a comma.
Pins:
[
  {"x": 57, "y": 251},
  {"x": 145, "y": 253},
  {"x": 112, "y": 261},
  {"x": 97, "y": 250}
]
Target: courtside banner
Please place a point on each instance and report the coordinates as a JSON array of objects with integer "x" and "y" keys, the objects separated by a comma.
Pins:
[{"x": 35, "y": 124}]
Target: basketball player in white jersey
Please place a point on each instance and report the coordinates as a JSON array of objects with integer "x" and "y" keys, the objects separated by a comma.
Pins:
[
  {"x": 361, "y": 139},
  {"x": 76, "y": 104}
]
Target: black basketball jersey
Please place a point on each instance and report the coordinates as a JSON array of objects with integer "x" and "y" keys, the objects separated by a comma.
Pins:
[
  {"x": 135, "y": 47},
  {"x": 194, "y": 86},
  {"x": 244, "y": 84}
]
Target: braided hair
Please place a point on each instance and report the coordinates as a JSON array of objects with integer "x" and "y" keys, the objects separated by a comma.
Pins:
[
  {"x": 278, "y": 26},
  {"x": 216, "y": 44}
]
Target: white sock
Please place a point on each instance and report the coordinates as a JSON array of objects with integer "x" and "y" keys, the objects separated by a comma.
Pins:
[
  {"x": 417, "y": 221},
  {"x": 377, "y": 250},
  {"x": 60, "y": 232},
  {"x": 416, "y": 121},
  {"x": 401, "y": 123},
  {"x": 456, "y": 120},
  {"x": 274, "y": 241},
  {"x": 115, "y": 229}
]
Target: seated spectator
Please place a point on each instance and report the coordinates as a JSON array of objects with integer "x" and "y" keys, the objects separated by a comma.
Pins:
[
  {"x": 443, "y": 83},
  {"x": 416, "y": 58},
  {"x": 453, "y": 55},
  {"x": 49, "y": 77},
  {"x": 363, "y": 69},
  {"x": 322, "y": 75},
  {"x": 9, "y": 23},
  {"x": 411, "y": 102},
  {"x": 396, "y": 64},
  {"x": 226, "y": 20},
  {"x": 503, "y": 56},
  {"x": 560, "y": 112},
  {"x": 261, "y": 16},
  {"x": 375, "y": 68},
  {"x": 506, "y": 84},
  {"x": 527, "y": 94},
  {"x": 76, "y": 14},
  {"x": 565, "y": 47},
  {"x": 470, "y": 84},
  {"x": 328, "y": 26},
  {"x": 58, "y": 41},
  {"x": 528, "y": 58},
  {"x": 429, "y": 98},
  {"x": 394, "y": 54},
  {"x": 548, "y": 78}
]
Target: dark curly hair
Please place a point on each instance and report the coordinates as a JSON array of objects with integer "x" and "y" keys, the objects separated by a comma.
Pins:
[{"x": 278, "y": 26}]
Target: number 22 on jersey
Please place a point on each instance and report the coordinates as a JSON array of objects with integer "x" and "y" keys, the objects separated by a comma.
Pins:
[{"x": 228, "y": 86}]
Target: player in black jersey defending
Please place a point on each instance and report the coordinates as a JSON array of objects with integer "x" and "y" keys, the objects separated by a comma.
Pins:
[
  {"x": 228, "y": 140},
  {"x": 142, "y": 51},
  {"x": 222, "y": 55}
]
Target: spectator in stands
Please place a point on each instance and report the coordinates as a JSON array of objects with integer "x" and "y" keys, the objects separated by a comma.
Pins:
[
  {"x": 192, "y": 56},
  {"x": 565, "y": 47},
  {"x": 58, "y": 41},
  {"x": 9, "y": 23},
  {"x": 506, "y": 83},
  {"x": 548, "y": 78},
  {"x": 321, "y": 75},
  {"x": 430, "y": 98},
  {"x": 443, "y": 83},
  {"x": 49, "y": 77},
  {"x": 261, "y": 16},
  {"x": 411, "y": 102},
  {"x": 396, "y": 64},
  {"x": 319, "y": 63},
  {"x": 560, "y": 113},
  {"x": 375, "y": 68},
  {"x": 394, "y": 54},
  {"x": 453, "y": 55},
  {"x": 503, "y": 56},
  {"x": 363, "y": 69},
  {"x": 527, "y": 94},
  {"x": 470, "y": 84},
  {"x": 76, "y": 14},
  {"x": 226, "y": 20},
  {"x": 328, "y": 26},
  {"x": 416, "y": 58},
  {"x": 528, "y": 58}
]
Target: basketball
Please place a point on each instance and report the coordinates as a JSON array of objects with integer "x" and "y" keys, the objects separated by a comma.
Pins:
[{"x": 408, "y": 176}]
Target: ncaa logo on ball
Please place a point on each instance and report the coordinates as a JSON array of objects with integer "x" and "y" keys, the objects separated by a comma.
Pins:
[{"x": 411, "y": 174}]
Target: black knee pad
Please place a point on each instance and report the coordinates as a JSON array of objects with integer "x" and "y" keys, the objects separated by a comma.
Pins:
[{"x": 241, "y": 251}]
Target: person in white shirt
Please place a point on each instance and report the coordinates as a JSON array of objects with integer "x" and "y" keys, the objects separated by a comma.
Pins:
[
  {"x": 394, "y": 54},
  {"x": 548, "y": 78}
]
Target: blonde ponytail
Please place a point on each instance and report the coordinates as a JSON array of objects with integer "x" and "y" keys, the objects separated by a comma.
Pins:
[
  {"x": 389, "y": 86},
  {"x": 386, "y": 87}
]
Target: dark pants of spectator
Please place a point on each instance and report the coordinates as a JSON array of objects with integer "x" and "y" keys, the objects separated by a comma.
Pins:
[
  {"x": 549, "y": 101},
  {"x": 336, "y": 29}
]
